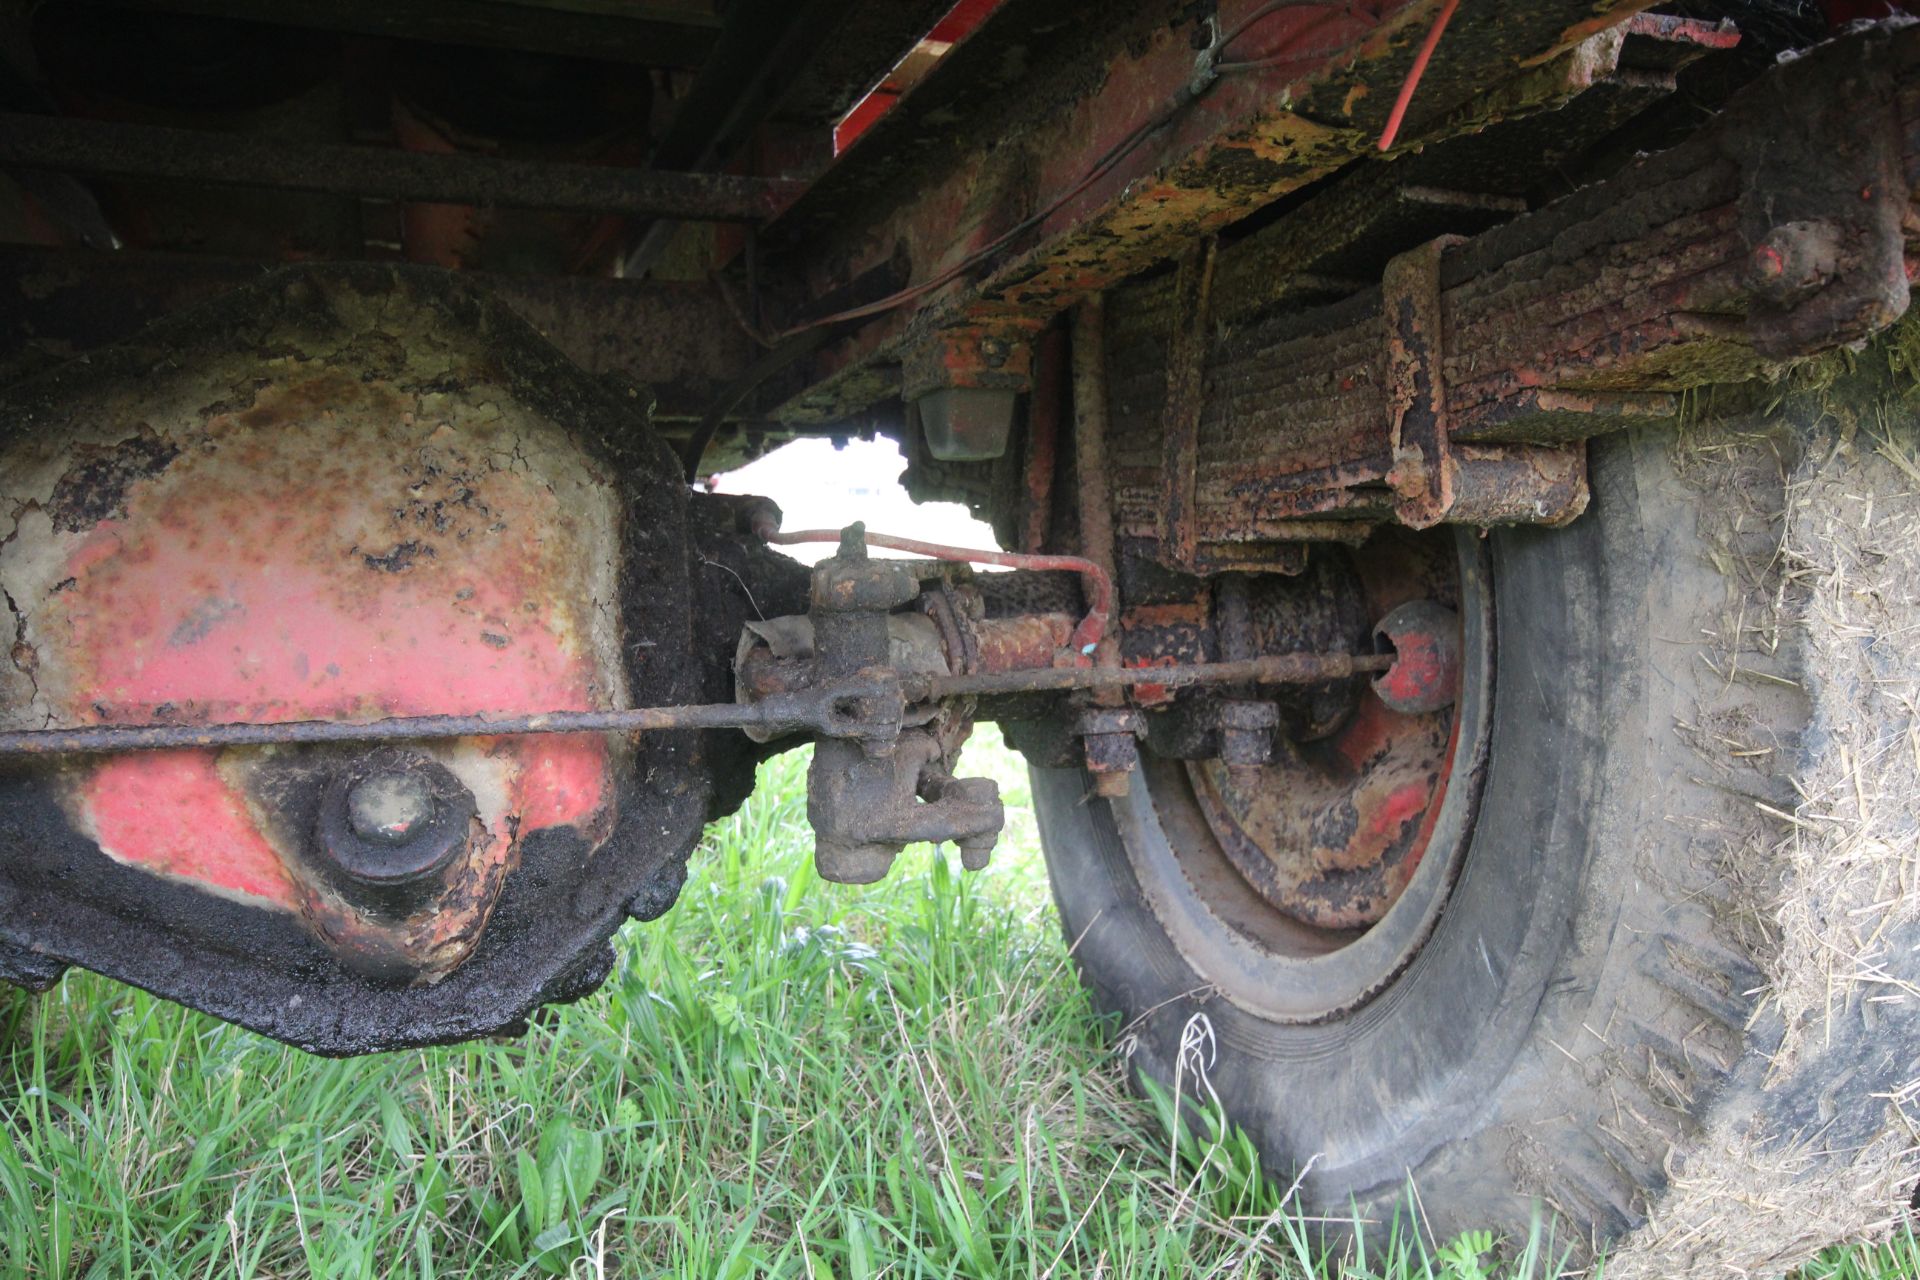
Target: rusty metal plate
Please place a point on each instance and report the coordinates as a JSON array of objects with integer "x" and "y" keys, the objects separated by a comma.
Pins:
[
  {"x": 1330, "y": 832},
  {"x": 323, "y": 546},
  {"x": 346, "y": 495}
]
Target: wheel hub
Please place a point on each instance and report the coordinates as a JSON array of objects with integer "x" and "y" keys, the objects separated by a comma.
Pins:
[
  {"x": 1330, "y": 832},
  {"x": 1302, "y": 887}
]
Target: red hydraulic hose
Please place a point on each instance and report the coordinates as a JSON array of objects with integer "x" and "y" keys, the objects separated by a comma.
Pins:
[
  {"x": 1414, "y": 73},
  {"x": 1099, "y": 586}
]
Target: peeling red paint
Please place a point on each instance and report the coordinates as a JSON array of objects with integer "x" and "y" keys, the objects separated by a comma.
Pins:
[
  {"x": 1399, "y": 808},
  {"x": 173, "y": 813},
  {"x": 297, "y": 563}
]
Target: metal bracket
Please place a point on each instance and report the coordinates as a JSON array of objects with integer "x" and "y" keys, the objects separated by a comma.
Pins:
[
  {"x": 1113, "y": 750},
  {"x": 1186, "y": 395},
  {"x": 1823, "y": 198},
  {"x": 1422, "y": 472},
  {"x": 964, "y": 383}
]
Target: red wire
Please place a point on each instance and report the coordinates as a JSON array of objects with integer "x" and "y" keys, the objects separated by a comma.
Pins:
[
  {"x": 1418, "y": 69},
  {"x": 1099, "y": 585}
]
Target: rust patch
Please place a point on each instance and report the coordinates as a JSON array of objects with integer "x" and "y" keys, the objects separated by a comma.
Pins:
[
  {"x": 1023, "y": 642},
  {"x": 370, "y": 532},
  {"x": 400, "y": 558},
  {"x": 1181, "y": 613},
  {"x": 1332, "y": 830},
  {"x": 1331, "y": 833},
  {"x": 95, "y": 486}
]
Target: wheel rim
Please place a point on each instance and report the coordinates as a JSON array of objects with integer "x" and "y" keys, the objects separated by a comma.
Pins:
[{"x": 1300, "y": 889}]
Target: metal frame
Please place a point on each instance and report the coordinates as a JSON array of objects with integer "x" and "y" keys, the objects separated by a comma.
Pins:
[{"x": 97, "y": 148}]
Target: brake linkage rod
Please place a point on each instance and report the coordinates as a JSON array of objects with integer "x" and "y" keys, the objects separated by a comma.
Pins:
[{"x": 814, "y": 709}]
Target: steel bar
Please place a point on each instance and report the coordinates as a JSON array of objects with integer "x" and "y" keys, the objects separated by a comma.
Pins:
[
  {"x": 676, "y": 338},
  {"x": 1280, "y": 668},
  {"x": 114, "y": 150},
  {"x": 773, "y": 713},
  {"x": 1111, "y": 754},
  {"x": 812, "y": 708},
  {"x": 1090, "y": 453}
]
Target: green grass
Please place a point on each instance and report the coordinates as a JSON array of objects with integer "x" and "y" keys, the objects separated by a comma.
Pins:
[{"x": 783, "y": 1077}]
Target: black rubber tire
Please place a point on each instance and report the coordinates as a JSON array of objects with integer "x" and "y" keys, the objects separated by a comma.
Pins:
[{"x": 1595, "y": 1027}]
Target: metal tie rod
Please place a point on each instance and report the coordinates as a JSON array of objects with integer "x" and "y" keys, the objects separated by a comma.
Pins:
[{"x": 809, "y": 709}]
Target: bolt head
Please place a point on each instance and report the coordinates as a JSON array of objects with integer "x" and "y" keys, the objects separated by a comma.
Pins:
[
  {"x": 390, "y": 808},
  {"x": 1794, "y": 260},
  {"x": 390, "y": 825}
]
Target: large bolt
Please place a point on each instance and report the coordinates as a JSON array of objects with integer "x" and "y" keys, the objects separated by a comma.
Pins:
[
  {"x": 1247, "y": 728},
  {"x": 390, "y": 808},
  {"x": 390, "y": 826},
  {"x": 1794, "y": 260}
]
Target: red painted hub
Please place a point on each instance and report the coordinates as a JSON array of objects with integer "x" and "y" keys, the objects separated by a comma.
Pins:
[
  {"x": 1424, "y": 638},
  {"x": 1330, "y": 833}
]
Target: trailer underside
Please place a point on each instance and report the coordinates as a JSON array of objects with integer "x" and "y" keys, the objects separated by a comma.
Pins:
[{"x": 377, "y": 648}]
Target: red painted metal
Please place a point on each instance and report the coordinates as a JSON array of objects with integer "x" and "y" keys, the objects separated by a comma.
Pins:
[
  {"x": 225, "y": 594},
  {"x": 959, "y": 22},
  {"x": 317, "y": 546},
  {"x": 177, "y": 816},
  {"x": 1331, "y": 831},
  {"x": 1425, "y": 640}
]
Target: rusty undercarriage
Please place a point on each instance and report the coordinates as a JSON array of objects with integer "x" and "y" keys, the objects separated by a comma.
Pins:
[{"x": 376, "y": 650}]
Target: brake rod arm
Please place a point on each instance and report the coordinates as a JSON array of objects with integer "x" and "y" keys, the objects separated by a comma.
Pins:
[{"x": 818, "y": 710}]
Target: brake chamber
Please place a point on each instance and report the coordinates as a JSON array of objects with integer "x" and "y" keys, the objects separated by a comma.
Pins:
[{"x": 370, "y": 663}]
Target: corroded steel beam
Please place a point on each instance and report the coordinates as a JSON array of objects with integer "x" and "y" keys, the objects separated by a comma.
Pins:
[
  {"x": 670, "y": 33},
  {"x": 677, "y": 340},
  {"x": 98, "y": 148},
  {"x": 1081, "y": 158},
  {"x": 1779, "y": 231}
]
